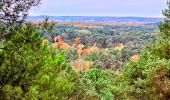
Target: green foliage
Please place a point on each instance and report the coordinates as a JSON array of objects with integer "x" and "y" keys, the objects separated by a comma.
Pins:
[
  {"x": 146, "y": 79},
  {"x": 97, "y": 58},
  {"x": 71, "y": 55},
  {"x": 108, "y": 35},
  {"x": 162, "y": 48},
  {"x": 96, "y": 84},
  {"x": 9, "y": 92},
  {"x": 54, "y": 80},
  {"x": 149, "y": 78},
  {"x": 32, "y": 70}
]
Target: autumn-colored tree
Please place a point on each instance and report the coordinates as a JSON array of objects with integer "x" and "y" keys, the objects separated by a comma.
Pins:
[
  {"x": 81, "y": 65},
  {"x": 135, "y": 58},
  {"x": 85, "y": 51}
]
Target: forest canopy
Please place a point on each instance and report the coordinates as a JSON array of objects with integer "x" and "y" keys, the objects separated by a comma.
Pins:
[{"x": 52, "y": 61}]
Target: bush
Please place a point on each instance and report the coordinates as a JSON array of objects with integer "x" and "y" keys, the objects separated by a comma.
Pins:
[
  {"x": 33, "y": 70},
  {"x": 97, "y": 84}
]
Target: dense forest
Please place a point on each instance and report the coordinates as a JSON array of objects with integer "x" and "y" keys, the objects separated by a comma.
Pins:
[
  {"x": 101, "y": 45},
  {"x": 48, "y": 60}
]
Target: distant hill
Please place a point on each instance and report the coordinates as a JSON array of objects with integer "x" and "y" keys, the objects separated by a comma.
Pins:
[{"x": 98, "y": 19}]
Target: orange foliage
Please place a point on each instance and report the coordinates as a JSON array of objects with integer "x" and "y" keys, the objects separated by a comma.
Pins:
[
  {"x": 60, "y": 43},
  {"x": 81, "y": 65},
  {"x": 65, "y": 46},
  {"x": 85, "y": 52},
  {"x": 135, "y": 58}
]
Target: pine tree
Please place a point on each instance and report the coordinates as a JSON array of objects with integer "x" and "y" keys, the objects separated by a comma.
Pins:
[
  {"x": 149, "y": 78},
  {"x": 162, "y": 47},
  {"x": 29, "y": 70}
]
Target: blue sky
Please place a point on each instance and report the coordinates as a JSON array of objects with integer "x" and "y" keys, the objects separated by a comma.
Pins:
[{"x": 141, "y": 8}]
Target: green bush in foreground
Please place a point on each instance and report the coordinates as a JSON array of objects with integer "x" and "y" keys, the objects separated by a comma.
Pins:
[
  {"x": 31, "y": 70},
  {"x": 96, "y": 84},
  {"x": 149, "y": 78}
]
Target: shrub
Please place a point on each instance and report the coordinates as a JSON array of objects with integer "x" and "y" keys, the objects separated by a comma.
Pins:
[{"x": 32, "y": 70}]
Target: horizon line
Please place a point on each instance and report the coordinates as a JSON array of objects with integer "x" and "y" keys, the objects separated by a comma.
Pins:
[{"x": 96, "y": 16}]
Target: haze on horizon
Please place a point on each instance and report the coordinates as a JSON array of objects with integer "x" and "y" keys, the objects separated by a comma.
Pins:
[{"x": 137, "y": 8}]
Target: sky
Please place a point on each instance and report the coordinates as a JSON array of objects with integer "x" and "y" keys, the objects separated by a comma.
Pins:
[{"x": 138, "y": 8}]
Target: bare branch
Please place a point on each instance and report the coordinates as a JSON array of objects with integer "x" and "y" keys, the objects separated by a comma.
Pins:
[{"x": 15, "y": 11}]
